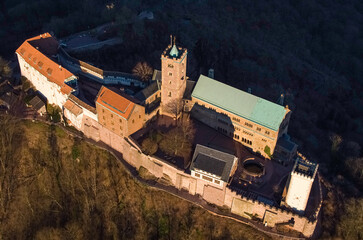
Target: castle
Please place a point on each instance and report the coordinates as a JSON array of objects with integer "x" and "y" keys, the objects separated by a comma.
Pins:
[{"x": 111, "y": 115}]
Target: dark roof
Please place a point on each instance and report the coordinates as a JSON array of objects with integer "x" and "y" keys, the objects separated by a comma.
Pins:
[
  {"x": 209, "y": 164},
  {"x": 189, "y": 89},
  {"x": 148, "y": 91},
  {"x": 305, "y": 167},
  {"x": 213, "y": 161},
  {"x": 156, "y": 75},
  {"x": 36, "y": 103},
  {"x": 82, "y": 103},
  {"x": 285, "y": 142}
]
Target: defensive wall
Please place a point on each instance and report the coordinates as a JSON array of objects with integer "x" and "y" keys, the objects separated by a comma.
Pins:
[
  {"x": 97, "y": 74},
  {"x": 220, "y": 196}
]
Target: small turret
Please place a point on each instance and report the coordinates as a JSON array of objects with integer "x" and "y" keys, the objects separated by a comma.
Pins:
[{"x": 174, "y": 51}]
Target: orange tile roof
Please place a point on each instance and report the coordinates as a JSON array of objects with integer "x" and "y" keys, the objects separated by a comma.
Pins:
[
  {"x": 73, "y": 108},
  {"x": 48, "y": 68},
  {"x": 115, "y": 102}
]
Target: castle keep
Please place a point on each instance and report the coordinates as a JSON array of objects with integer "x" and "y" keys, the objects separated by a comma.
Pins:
[{"x": 111, "y": 113}]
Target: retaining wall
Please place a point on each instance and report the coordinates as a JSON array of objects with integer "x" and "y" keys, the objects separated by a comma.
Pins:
[{"x": 219, "y": 196}]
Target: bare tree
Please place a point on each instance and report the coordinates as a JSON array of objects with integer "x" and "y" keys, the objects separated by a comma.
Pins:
[
  {"x": 143, "y": 71},
  {"x": 175, "y": 108}
]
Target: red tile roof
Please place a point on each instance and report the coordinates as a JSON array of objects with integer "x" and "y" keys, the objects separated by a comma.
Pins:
[
  {"x": 48, "y": 68},
  {"x": 115, "y": 102},
  {"x": 73, "y": 108}
]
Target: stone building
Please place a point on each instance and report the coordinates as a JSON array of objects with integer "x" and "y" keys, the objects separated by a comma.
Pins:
[
  {"x": 253, "y": 121},
  {"x": 112, "y": 115},
  {"x": 51, "y": 79},
  {"x": 119, "y": 114},
  {"x": 173, "y": 79},
  {"x": 299, "y": 184},
  {"x": 213, "y": 166}
]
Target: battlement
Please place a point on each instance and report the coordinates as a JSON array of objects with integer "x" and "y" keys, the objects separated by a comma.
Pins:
[
  {"x": 182, "y": 52},
  {"x": 304, "y": 168}
]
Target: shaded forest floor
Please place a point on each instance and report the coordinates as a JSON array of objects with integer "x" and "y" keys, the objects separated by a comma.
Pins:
[{"x": 54, "y": 186}]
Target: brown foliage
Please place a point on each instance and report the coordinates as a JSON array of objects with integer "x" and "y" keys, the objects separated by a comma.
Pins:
[
  {"x": 48, "y": 194},
  {"x": 143, "y": 71}
]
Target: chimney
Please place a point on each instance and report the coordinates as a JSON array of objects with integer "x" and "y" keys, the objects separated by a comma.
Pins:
[{"x": 211, "y": 73}]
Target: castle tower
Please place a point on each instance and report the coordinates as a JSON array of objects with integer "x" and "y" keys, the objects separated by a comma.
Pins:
[
  {"x": 299, "y": 184},
  {"x": 173, "y": 78}
]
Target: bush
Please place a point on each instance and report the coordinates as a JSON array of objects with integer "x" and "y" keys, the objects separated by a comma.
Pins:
[
  {"x": 267, "y": 150},
  {"x": 54, "y": 113},
  {"x": 149, "y": 147}
]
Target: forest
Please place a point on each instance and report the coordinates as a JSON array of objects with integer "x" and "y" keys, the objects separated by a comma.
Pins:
[
  {"x": 54, "y": 186},
  {"x": 311, "y": 51}
]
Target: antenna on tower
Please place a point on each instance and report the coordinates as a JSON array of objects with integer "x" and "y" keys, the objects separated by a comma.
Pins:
[
  {"x": 171, "y": 39},
  {"x": 174, "y": 40}
]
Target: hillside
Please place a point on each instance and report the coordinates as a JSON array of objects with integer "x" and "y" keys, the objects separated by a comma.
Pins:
[{"x": 56, "y": 187}]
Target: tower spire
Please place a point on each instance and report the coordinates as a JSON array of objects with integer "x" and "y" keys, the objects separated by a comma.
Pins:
[{"x": 174, "y": 50}]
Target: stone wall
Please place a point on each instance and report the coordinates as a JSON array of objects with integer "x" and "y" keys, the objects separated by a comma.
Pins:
[{"x": 219, "y": 196}]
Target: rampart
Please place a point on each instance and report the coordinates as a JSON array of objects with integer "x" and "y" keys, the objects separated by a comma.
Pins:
[{"x": 240, "y": 205}]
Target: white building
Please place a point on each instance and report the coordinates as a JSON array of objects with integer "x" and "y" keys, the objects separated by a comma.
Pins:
[
  {"x": 299, "y": 184},
  {"x": 51, "y": 79},
  {"x": 212, "y": 166}
]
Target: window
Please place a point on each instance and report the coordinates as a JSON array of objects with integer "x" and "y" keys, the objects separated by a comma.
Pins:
[
  {"x": 133, "y": 121},
  {"x": 139, "y": 116},
  {"x": 207, "y": 178},
  {"x": 217, "y": 181},
  {"x": 170, "y": 74},
  {"x": 170, "y": 65},
  {"x": 169, "y": 95},
  {"x": 264, "y": 140},
  {"x": 267, "y": 132},
  {"x": 103, "y": 117},
  {"x": 247, "y": 133},
  {"x": 197, "y": 175},
  {"x": 235, "y": 119},
  {"x": 182, "y": 78},
  {"x": 103, "y": 110},
  {"x": 111, "y": 115},
  {"x": 248, "y": 124},
  {"x": 259, "y": 129},
  {"x": 121, "y": 128},
  {"x": 120, "y": 121},
  {"x": 112, "y": 123},
  {"x": 169, "y": 82}
]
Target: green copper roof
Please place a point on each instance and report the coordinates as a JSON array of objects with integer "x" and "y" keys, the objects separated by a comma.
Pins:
[
  {"x": 174, "y": 51},
  {"x": 235, "y": 101}
]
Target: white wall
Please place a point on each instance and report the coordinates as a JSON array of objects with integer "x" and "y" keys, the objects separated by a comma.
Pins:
[
  {"x": 298, "y": 191},
  {"x": 49, "y": 89}
]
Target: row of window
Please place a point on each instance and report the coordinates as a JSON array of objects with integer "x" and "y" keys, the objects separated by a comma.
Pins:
[
  {"x": 246, "y": 141},
  {"x": 209, "y": 179}
]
